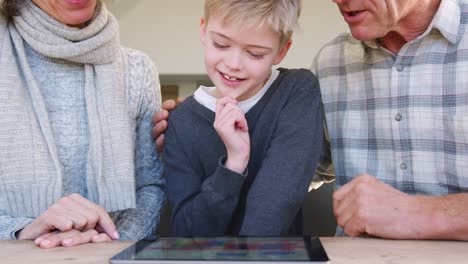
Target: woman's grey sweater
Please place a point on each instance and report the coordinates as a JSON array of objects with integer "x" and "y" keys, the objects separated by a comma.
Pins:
[{"x": 62, "y": 86}]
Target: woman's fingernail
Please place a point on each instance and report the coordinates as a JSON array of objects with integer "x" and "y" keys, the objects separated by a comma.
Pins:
[
  {"x": 38, "y": 240},
  {"x": 45, "y": 243},
  {"x": 116, "y": 235},
  {"x": 67, "y": 241}
]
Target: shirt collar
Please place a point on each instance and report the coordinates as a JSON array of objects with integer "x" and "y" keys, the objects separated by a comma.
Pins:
[{"x": 447, "y": 20}]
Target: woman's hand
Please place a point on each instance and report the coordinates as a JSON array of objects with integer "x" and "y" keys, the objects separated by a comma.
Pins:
[
  {"x": 70, "y": 238},
  {"x": 68, "y": 213},
  {"x": 231, "y": 125}
]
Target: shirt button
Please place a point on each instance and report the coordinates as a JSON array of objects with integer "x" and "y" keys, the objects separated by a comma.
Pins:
[
  {"x": 398, "y": 117},
  {"x": 400, "y": 67},
  {"x": 403, "y": 166}
]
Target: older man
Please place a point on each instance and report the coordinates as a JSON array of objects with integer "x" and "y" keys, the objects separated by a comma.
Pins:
[{"x": 395, "y": 93}]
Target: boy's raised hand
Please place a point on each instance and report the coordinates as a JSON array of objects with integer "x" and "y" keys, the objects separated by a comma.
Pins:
[{"x": 231, "y": 125}]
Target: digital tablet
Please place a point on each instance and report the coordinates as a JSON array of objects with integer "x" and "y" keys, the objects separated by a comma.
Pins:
[{"x": 184, "y": 250}]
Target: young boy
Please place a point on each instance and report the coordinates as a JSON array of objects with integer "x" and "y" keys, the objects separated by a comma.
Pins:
[{"x": 239, "y": 156}]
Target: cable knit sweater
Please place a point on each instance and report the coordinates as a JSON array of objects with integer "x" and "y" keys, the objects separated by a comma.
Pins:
[
  {"x": 61, "y": 85},
  {"x": 66, "y": 111},
  {"x": 67, "y": 115}
]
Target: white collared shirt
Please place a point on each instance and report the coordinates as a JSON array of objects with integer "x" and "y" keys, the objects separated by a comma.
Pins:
[{"x": 204, "y": 95}]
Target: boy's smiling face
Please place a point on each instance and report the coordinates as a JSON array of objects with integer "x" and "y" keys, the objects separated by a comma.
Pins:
[{"x": 239, "y": 60}]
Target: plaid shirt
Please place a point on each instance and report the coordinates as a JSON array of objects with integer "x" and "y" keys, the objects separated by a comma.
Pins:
[{"x": 402, "y": 118}]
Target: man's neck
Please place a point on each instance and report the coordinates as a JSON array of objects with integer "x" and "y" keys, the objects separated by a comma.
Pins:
[{"x": 411, "y": 26}]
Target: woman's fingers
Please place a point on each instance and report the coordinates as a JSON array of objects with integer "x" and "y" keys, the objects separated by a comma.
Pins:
[
  {"x": 38, "y": 240},
  {"x": 55, "y": 240},
  {"x": 100, "y": 238},
  {"x": 71, "y": 238},
  {"x": 73, "y": 212},
  {"x": 103, "y": 218},
  {"x": 80, "y": 238}
]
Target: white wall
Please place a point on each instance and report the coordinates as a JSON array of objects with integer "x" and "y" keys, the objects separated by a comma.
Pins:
[{"x": 168, "y": 31}]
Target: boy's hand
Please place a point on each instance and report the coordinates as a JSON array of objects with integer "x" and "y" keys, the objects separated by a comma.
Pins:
[
  {"x": 231, "y": 125},
  {"x": 160, "y": 122}
]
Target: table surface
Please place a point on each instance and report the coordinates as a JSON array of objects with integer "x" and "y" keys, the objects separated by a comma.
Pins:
[{"x": 339, "y": 250}]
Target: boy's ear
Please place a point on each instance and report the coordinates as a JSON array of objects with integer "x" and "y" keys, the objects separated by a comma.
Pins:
[
  {"x": 282, "y": 53},
  {"x": 202, "y": 30}
]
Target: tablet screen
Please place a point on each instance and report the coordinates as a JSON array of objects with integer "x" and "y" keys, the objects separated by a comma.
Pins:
[{"x": 245, "y": 249}]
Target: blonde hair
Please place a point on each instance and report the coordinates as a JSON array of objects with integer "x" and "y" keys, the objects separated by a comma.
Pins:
[{"x": 280, "y": 15}]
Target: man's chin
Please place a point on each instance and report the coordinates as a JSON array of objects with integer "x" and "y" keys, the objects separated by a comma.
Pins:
[{"x": 363, "y": 34}]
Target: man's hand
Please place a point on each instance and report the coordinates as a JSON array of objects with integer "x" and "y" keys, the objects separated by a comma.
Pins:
[
  {"x": 368, "y": 206},
  {"x": 68, "y": 213},
  {"x": 70, "y": 238},
  {"x": 160, "y": 123}
]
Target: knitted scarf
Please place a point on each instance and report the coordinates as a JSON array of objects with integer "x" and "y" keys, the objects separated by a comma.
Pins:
[{"x": 30, "y": 170}]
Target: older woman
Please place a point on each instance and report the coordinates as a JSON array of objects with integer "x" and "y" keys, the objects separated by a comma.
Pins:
[{"x": 77, "y": 162}]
